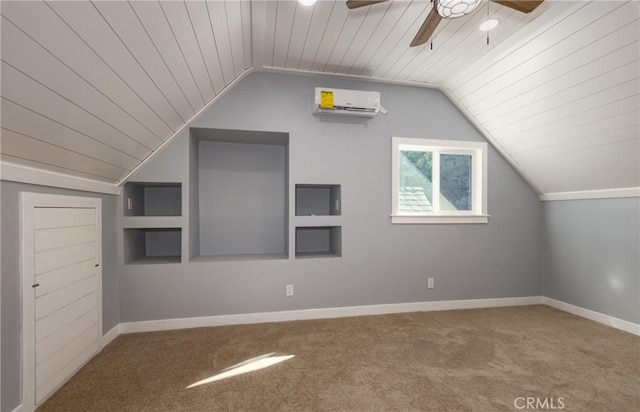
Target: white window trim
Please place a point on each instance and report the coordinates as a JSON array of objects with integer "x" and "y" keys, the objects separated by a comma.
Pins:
[{"x": 478, "y": 150}]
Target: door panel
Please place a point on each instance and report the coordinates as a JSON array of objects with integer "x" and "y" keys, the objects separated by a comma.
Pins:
[
  {"x": 50, "y": 217},
  {"x": 51, "y": 302},
  {"x": 66, "y": 293},
  {"x": 66, "y": 256},
  {"x": 54, "y": 371},
  {"x": 49, "y": 324},
  {"x": 57, "y": 238},
  {"x": 50, "y": 345},
  {"x": 59, "y": 278}
]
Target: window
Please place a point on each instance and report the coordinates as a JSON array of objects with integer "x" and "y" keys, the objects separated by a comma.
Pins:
[{"x": 439, "y": 181}]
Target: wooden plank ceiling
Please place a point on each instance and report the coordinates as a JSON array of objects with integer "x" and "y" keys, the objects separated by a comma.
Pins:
[{"x": 93, "y": 88}]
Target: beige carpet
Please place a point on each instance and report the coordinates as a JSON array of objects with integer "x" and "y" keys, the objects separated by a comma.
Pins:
[{"x": 467, "y": 360}]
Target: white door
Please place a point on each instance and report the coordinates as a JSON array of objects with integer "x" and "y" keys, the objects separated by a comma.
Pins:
[{"x": 64, "y": 287}]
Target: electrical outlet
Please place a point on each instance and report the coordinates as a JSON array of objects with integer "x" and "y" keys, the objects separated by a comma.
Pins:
[
  {"x": 289, "y": 290},
  {"x": 430, "y": 283}
]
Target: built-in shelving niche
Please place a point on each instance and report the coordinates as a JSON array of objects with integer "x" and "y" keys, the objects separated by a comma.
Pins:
[
  {"x": 152, "y": 245},
  {"x": 152, "y": 199},
  {"x": 150, "y": 212},
  {"x": 238, "y": 195},
  {"x": 318, "y": 241},
  {"x": 317, "y": 200}
]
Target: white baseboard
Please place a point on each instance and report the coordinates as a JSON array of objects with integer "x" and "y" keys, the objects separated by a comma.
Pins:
[
  {"x": 624, "y": 325},
  {"x": 108, "y": 337},
  {"x": 241, "y": 319},
  {"x": 18, "y": 409}
]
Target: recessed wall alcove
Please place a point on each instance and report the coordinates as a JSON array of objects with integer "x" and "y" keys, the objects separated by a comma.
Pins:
[{"x": 238, "y": 194}]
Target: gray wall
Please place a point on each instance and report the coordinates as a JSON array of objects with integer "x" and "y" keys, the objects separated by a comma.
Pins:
[
  {"x": 10, "y": 280},
  {"x": 162, "y": 201},
  {"x": 592, "y": 255},
  {"x": 381, "y": 263},
  {"x": 242, "y": 198}
]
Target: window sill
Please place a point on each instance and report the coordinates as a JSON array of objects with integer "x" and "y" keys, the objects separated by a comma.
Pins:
[{"x": 439, "y": 220}]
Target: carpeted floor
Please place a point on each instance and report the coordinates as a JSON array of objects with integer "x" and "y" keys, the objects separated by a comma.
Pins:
[{"x": 466, "y": 360}]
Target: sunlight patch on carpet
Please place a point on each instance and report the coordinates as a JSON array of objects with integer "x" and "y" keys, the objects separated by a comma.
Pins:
[{"x": 251, "y": 365}]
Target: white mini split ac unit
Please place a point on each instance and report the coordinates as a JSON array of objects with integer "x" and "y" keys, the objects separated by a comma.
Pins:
[{"x": 346, "y": 102}]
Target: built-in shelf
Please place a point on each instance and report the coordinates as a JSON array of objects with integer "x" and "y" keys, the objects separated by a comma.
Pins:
[
  {"x": 318, "y": 241},
  {"x": 148, "y": 222},
  {"x": 318, "y": 200},
  {"x": 152, "y": 199},
  {"x": 241, "y": 257},
  {"x": 152, "y": 245},
  {"x": 310, "y": 221},
  {"x": 314, "y": 255},
  {"x": 155, "y": 260}
]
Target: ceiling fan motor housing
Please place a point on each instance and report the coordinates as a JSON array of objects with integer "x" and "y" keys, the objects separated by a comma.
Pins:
[{"x": 451, "y": 9}]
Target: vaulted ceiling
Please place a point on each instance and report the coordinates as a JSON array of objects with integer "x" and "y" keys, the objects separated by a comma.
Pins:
[{"x": 91, "y": 89}]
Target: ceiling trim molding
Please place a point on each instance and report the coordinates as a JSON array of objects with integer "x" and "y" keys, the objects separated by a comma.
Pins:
[
  {"x": 592, "y": 194},
  {"x": 31, "y": 175},
  {"x": 185, "y": 126},
  {"x": 350, "y": 77}
]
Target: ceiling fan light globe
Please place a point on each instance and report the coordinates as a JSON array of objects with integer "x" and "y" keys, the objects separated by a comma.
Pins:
[
  {"x": 489, "y": 24},
  {"x": 451, "y": 9}
]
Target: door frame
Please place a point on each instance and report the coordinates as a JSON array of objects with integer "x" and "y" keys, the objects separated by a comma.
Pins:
[{"x": 28, "y": 203}]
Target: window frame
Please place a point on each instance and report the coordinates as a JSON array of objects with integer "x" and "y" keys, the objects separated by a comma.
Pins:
[{"x": 478, "y": 152}]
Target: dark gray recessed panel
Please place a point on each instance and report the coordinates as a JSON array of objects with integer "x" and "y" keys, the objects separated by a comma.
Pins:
[
  {"x": 318, "y": 200},
  {"x": 152, "y": 199},
  {"x": 318, "y": 241},
  {"x": 152, "y": 245},
  {"x": 242, "y": 198}
]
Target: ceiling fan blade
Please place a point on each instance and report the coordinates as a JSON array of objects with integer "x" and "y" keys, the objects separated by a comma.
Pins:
[
  {"x": 523, "y": 6},
  {"x": 354, "y": 4},
  {"x": 427, "y": 29}
]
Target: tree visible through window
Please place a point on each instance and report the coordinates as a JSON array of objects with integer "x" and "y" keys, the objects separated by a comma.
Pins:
[{"x": 455, "y": 180}]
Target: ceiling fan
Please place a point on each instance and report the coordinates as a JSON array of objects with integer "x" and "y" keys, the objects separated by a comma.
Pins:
[{"x": 450, "y": 9}]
